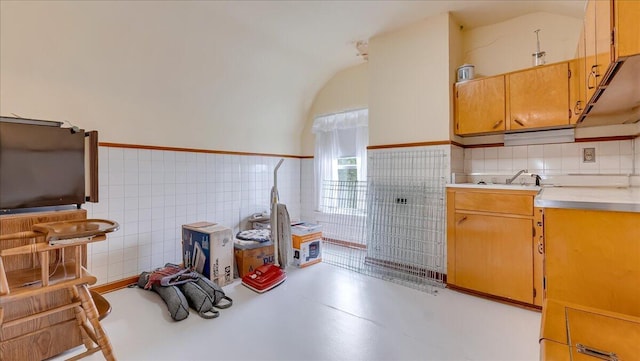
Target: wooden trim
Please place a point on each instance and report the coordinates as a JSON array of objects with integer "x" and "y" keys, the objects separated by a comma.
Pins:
[
  {"x": 504, "y": 300},
  {"x": 117, "y": 285},
  {"x": 606, "y": 139},
  {"x": 344, "y": 243},
  {"x": 93, "y": 166},
  {"x": 453, "y": 142},
  {"x": 406, "y": 145},
  {"x": 194, "y": 150},
  {"x": 489, "y": 145}
]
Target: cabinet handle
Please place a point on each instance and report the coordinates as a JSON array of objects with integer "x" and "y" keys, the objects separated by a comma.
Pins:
[
  {"x": 590, "y": 351},
  {"x": 519, "y": 122},
  {"x": 593, "y": 75},
  {"x": 462, "y": 219},
  {"x": 578, "y": 108},
  {"x": 497, "y": 124}
]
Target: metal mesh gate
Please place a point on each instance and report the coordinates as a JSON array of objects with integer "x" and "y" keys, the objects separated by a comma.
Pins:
[{"x": 391, "y": 227}]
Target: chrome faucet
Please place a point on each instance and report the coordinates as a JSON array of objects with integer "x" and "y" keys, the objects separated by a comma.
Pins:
[{"x": 510, "y": 180}]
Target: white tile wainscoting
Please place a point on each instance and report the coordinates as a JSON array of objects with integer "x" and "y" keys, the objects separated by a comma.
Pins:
[{"x": 152, "y": 193}]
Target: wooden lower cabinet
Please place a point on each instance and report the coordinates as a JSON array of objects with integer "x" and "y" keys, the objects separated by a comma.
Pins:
[
  {"x": 575, "y": 332},
  {"x": 493, "y": 255},
  {"x": 592, "y": 258},
  {"x": 492, "y": 245}
]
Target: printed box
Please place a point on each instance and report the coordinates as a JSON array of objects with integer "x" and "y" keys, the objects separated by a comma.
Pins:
[
  {"x": 208, "y": 247},
  {"x": 250, "y": 258},
  {"x": 307, "y": 249}
]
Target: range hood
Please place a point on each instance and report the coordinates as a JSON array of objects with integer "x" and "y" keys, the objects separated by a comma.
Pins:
[
  {"x": 550, "y": 136},
  {"x": 617, "y": 99}
]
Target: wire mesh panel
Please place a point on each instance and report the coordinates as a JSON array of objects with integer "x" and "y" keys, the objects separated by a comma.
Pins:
[
  {"x": 344, "y": 223},
  {"x": 399, "y": 234}
]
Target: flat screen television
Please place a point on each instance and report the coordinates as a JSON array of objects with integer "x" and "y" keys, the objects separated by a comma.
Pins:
[{"x": 41, "y": 165}]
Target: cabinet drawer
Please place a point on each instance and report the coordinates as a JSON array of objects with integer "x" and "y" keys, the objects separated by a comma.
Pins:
[
  {"x": 495, "y": 203},
  {"x": 575, "y": 332},
  {"x": 592, "y": 334}
]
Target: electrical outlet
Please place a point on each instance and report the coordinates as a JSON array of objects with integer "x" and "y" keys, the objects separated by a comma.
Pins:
[{"x": 588, "y": 155}]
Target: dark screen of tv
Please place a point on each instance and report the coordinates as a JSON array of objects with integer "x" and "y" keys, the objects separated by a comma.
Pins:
[{"x": 40, "y": 166}]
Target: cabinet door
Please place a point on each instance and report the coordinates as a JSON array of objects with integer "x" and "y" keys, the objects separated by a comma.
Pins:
[
  {"x": 627, "y": 14},
  {"x": 480, "y": 106},
  {"x": 604, "y": 40},
  {"x": 578, "y": 85},
  {"x": 590, "y": 48},
  {"x": 593, "y": 335},
  {"x": 539, "y": 97},
  {"x": 494, "y": 255},
  {"x": 592, "y": 258}
]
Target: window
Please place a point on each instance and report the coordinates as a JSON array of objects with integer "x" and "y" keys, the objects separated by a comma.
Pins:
[
  {"x": 340, "y": 158},
  {"x": 348, "y": 169}
]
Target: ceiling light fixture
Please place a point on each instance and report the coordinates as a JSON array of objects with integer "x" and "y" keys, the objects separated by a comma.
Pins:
[{"x": 363, "y": 49}]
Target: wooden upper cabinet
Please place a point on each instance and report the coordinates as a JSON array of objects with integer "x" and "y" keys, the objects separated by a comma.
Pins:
[
  {"x": 577, "y": 84},
  {"x": 612, "y": 31},
  {"x": 480, "y": 106},
  {"x": 604, "y": 37},
  {"x": 627, "y": 28},
  {"x": 539, "y": 97},
  {"x": 590, "y": 75}
]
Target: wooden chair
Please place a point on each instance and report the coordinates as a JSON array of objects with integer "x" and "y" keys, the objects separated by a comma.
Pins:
[{"x": 34, "y": 300}]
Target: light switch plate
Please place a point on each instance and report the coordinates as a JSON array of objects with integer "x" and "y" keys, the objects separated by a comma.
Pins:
[{"x": 588, "y": 155}]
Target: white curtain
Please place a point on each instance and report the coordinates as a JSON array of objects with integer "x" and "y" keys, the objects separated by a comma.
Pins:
[{"x": 339, "y": 135}]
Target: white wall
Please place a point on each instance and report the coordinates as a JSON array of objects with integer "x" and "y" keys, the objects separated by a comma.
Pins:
[
  {"x": 507, "y": 46},
  {"x": 409, "y": 84},
  {"x": 455, "y": 59},
  {"x": 636, "y": 146},
  {"x": 154, "y": 73},
  {"x": 346, "y": 90}
]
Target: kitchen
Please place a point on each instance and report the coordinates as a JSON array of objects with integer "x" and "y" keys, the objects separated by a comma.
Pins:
[{"x": 91, "y": 86}]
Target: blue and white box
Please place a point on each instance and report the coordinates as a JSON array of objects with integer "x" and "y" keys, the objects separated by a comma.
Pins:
[{"x": 208, "y": 248}]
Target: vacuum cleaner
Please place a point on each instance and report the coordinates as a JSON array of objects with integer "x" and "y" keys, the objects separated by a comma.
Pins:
[{"x": 268, "y": 276}]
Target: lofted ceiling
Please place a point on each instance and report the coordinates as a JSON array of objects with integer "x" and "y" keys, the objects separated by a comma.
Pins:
[{"x": 224, "y": 62}]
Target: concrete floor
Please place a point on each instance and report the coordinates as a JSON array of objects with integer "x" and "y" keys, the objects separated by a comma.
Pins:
[{"x": 324, "y": 313}]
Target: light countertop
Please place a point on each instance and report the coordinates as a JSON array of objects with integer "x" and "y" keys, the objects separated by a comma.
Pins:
[
  {"x": 526, "y": 187},
  {"x": 593, "y": 198},
  {"x": 622, "y": 199}
]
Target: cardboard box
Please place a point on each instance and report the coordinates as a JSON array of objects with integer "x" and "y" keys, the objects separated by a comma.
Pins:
[
  {"x": 307, "y": 249},
  {"x": 208, "y": 247},
  {"x": 248, "y": 259}
]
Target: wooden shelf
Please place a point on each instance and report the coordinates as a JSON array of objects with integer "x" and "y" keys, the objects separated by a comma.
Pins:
[{"x": 23, "y": 283}]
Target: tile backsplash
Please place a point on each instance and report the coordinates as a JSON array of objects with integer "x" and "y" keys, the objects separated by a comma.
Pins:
[
  {"x": 611, "y": 157},
  {"x": 152, "y": 193}
]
